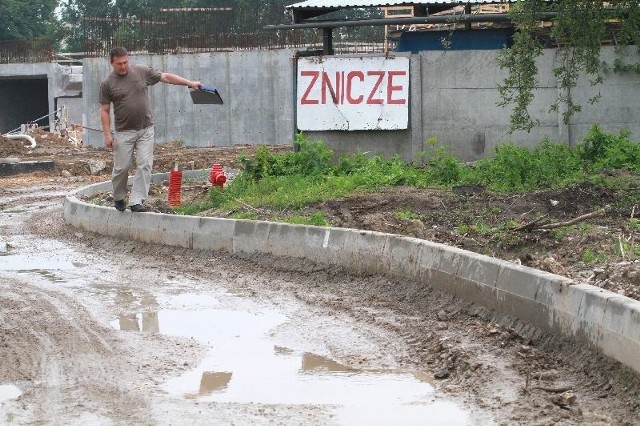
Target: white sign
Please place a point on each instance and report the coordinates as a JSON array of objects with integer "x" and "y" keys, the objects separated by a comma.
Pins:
[{"x": 368, "y": 93}]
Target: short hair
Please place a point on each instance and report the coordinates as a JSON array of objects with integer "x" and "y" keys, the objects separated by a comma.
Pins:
[{"x": 118, "y": 51}]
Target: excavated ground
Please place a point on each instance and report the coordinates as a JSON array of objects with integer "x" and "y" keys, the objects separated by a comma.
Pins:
[{"x": 517, "y": 373}]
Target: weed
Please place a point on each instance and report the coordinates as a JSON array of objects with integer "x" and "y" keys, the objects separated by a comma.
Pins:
[
  {"x": 626, "y": 249},
  {"x": 463, "y": 229},
  {"x": 407, "y": 214},
  {"x": 251, "y": 215},
  {"x": 477, "y": 228},
  {"x": 511, "y": 224},
  {"x": 482, "y": 228},
  {"x": 560, "y": 233},
  {"x": 491, "y": 211},
  {"x": 584, "y": 228},
  {"x": 588, "y": 256},
  {"x": 316, "y": 219}
]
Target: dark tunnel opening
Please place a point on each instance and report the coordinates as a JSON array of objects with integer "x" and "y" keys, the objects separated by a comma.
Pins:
[{"x": 23, "y": 100}]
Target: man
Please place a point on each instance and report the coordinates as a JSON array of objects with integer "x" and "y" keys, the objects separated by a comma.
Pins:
[{"x": 126, "y": 88}]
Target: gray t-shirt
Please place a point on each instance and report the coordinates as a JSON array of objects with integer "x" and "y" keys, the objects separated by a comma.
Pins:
[{"x": 130, "y": 97}]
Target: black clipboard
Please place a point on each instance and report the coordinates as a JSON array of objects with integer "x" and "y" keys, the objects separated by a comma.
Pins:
[{"x": 206, "y": 95}]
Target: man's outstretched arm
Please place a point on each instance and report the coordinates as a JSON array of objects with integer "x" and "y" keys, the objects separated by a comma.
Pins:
[{"x": 169, "y": 78}]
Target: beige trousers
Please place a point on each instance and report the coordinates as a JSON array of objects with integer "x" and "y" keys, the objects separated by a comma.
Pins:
[{"x": 127, "y": 144}]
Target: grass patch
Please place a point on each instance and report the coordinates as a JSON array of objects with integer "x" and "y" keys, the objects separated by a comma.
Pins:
[
  {"x": 407, "y": 215},
  {"x": 310, "y": 174},
  {"x": 316, "y": 219}
]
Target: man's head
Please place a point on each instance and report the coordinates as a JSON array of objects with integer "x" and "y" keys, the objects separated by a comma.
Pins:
[{"x": 120, "y": 60}]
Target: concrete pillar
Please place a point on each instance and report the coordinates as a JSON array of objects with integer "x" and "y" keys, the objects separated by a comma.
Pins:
[{"x": 416, "y": 124}]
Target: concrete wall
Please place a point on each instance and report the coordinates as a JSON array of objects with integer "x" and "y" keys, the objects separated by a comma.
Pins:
[
  {"x": 454, "y": 99},
  {"x": 256, "y": 86},
  {"x": 21, "y": 100}
]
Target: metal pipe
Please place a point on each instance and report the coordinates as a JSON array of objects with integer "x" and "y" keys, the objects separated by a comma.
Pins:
[{"x": 27, "y": 137}]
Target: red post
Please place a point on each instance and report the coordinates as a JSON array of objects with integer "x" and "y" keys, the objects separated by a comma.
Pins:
[{"x": 175, "y": 187}]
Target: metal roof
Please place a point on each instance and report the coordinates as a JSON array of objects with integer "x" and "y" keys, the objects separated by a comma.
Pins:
[
  {"x": 331, "y": 4},
  {"x": 338, "y": 4},
  {"x": 308, "y": 9}
]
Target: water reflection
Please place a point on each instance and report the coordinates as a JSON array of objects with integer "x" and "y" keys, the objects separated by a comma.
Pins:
[
  {"x": 245, "y": 365},
  {"x": 48, "y": 275},
  {"x": 8, "y": 392},
  {"x": 47, "y": 263},
  {"x": 314, "y": 363},
  {"x": 212, "y": 381},
  {"x": 146, "y": 320}
]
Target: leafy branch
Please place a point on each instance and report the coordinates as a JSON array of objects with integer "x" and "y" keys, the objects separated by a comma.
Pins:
[{"x": 578, "y": 30}]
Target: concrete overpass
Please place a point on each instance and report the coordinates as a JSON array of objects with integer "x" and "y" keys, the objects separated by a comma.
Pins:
[{"x": 32, "y": 91}]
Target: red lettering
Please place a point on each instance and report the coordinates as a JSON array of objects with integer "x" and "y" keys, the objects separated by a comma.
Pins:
[
  {"x": 391, "y": 88},
  {"x": 349, "y": 85},
  {"x": 360, "y": 76},
  {"x": 371, "y": 100},
  {"x": 326, "y": 84},
  {"x": 305, "y": 97}
]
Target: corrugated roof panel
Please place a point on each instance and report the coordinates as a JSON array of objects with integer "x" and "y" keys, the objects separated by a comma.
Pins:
[
  {"x": 332, "y": 4},
  {"x": 320, "y": 4}
]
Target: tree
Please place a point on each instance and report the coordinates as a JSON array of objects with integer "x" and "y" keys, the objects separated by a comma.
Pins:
[
  {"x": 118, "y": 18},
  {"x": 72, "y": 17},
  {"x": 24, "y": 19},
  {"x": 578, "y": 30}
]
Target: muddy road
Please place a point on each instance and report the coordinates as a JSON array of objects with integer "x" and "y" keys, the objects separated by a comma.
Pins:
[{"x": 96, "y": 330}]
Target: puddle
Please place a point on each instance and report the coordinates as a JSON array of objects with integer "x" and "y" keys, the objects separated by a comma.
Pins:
[
  {"x": 41, "y": 266},
  {"x": 48, "y": 275},
  {"x": 245, "y": 366},
  {"x": 8, "y": 392},
  {"x": 18, "y": 262},
  {"x": 51, "y": 263}
]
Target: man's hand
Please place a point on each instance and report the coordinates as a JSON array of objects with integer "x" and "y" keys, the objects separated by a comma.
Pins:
[
  {"x": 105, "y": 119},
  {"x": 108, "y": 140}
]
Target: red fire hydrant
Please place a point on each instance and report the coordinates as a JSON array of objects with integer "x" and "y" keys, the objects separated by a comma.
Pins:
[{"x": 217, "y": 177}]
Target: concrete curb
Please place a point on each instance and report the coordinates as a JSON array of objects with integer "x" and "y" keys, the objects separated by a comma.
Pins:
[
  {"x": 14, "y": 168},
  {"x": 602, "y": 319}
]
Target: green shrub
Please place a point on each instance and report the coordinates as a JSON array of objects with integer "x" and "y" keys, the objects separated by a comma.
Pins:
[
  {"x": 307, "y": 159},
  {"x": 292, "y": 180},
  {"x": 514, "y": 168},
  {"x": 600, "y": 150}
]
